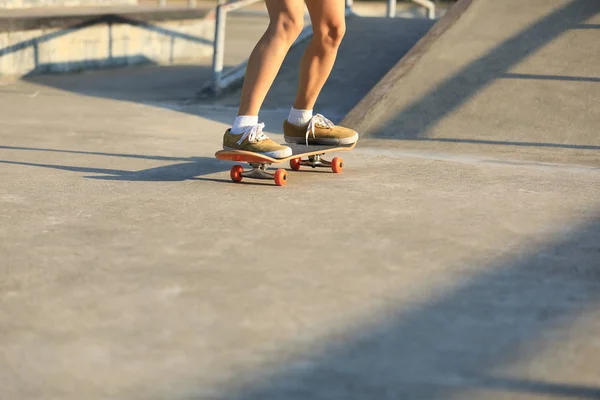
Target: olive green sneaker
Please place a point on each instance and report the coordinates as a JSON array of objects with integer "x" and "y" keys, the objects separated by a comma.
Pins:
[
  {"x": 319, "y": 130},
  {"x": 253, "y": 139}
]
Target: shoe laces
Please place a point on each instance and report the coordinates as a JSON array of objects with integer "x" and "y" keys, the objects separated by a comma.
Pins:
[
  {"x": 317, "y": 119},
  {"x": 254, "y": 134}
]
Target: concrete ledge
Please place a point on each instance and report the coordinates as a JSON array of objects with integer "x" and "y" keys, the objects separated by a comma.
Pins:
[
  {"x": 31, "y": 19},
  {"x": 100, "y": 37}
]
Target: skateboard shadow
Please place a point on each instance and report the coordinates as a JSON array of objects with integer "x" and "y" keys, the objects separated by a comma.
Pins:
[
  {"x": 197, "y": 166},
  {"x": 188, "y": 167},
  {"x": 313, "y": 170}
]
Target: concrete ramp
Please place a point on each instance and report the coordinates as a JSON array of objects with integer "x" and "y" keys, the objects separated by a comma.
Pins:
[{"x": 509, "y": 77}]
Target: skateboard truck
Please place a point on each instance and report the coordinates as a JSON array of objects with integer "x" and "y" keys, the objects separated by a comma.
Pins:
[
  {"x": 258, "y": 171},
  {"x": 316, "y": 161}
]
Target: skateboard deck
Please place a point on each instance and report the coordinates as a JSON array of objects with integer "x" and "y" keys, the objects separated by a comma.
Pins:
[{"x": 259, "y": 163}]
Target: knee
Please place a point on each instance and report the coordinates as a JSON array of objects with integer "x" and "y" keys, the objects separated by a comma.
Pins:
[
  {"x": 330, "y": 35},
  {"x": 287, "y": 28}
]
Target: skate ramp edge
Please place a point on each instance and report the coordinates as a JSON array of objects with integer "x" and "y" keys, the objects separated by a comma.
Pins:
[
  {"x": 518, "y": 80},
  {"x": 363, "y": 116}
]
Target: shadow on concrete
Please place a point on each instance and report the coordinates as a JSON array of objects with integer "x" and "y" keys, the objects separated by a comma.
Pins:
[
  {"x": 165, "y": 86},
  {"x": 95, "y": 153},
  {"x": 534, "y": 387},
  {"x": 462, "y": 339},
  {"x": 191, "y": 168},
  {"x": 110, "y": 61},
  {"x": 507, "y": 143},
  {"x": 587, "y": 26},
  {"x": 551, "y": 77}
]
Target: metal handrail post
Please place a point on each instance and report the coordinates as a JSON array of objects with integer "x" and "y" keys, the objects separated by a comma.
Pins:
[
  {"x": 219, "y": 46},
  {"x": 220, "y": 80},
  {"x": 391, "y": 8},
  {"x": 429, "y": 5}
]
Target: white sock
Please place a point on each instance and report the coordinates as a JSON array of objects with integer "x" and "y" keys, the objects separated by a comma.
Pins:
[
  {"x": 243, "y": 121},
  {"x": 299, "y": 117}
]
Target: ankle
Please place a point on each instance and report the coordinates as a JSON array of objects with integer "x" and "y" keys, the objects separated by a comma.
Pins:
[
  {"x": 241, "y": 122},
  {"x": 299, "y": 117}
]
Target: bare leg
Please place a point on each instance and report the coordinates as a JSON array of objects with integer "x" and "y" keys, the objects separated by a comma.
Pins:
[
  {"x": 286, "y": 22},
  {"x": 329, "y": 25}
]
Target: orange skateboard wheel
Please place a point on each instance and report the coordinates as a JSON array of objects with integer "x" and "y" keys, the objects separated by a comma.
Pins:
[
  {"x": 337, "y": 164},
  {"x": 295, "y": 164},
  {"x": 280, "y": 177},
  {"x": 236, "y": 173}
]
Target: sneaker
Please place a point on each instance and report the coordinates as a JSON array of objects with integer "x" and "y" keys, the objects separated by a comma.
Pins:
[
  {"x": 253, "y": 139},
  {"x": 319, "y": 130}
]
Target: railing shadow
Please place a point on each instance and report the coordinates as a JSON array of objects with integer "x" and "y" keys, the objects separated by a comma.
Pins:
[
  {"x": 507, "y": 143},
  {"x": 587, "y": 26},
  {"x": 538, "y": 387},
  {"x": 550, "y": 77},
  {"x": 97, "y": 153}
]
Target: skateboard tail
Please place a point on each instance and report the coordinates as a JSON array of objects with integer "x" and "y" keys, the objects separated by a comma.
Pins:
[{"x": 231, "y": 156}]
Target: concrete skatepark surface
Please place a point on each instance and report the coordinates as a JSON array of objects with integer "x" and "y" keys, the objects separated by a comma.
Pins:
[{"x": 132, "y": 268}]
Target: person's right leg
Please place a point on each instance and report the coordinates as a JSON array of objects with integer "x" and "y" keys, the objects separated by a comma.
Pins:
[{"x": 286, "y": 22}]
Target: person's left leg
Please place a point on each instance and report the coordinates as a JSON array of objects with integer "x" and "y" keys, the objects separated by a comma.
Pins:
[{"x": 329, "y": 25}]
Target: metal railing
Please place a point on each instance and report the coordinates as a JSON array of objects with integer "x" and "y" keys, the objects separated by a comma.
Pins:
[
  {"x": 428, "y": 4},
  {"x": 391, "y": 6},
  {"x": 191, "y": 3},
  {"x": 221, "y": 80}
]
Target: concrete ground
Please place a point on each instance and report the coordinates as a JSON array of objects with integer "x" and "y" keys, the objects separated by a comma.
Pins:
[{"x": 134, "y": 269}]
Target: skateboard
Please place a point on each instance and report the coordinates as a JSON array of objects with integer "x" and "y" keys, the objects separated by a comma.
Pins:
[{"x": 302, "y": 155}]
